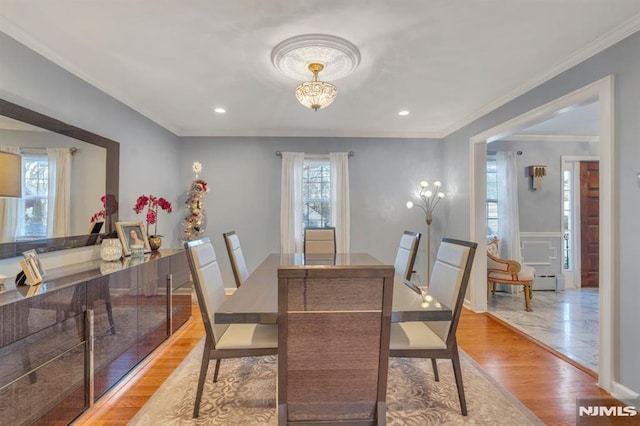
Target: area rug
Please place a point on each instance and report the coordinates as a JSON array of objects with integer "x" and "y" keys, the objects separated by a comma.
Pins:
[{"x": 245, "y": 394}]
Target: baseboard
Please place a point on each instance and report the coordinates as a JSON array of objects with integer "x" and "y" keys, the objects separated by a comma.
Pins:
[{"x": 622, "y": 392}]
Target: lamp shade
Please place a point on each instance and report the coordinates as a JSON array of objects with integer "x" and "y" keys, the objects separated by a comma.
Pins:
[{"x": 10, "y": 175}]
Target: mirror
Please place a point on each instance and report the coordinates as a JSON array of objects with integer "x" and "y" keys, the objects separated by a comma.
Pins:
[{"x": 84, "y": 197}]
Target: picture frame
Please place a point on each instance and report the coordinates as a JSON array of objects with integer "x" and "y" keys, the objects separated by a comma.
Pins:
[
  {"x": 30, "y": 269},
  {"x": 126, "y": 235},
  {"x": 33, "y": 255}
]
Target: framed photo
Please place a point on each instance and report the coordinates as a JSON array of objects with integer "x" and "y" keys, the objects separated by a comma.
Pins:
[
  {"x": 32, "y": 255},
  {"x": 30, "y": 270},
  {"x": 131, "y": 233}
]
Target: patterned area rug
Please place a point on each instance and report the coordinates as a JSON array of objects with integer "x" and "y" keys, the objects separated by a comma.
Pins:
[{"x": 245, "y": 394}]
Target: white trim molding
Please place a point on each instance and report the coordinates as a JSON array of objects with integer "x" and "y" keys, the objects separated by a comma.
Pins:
[{"x": 552, "y": 138}]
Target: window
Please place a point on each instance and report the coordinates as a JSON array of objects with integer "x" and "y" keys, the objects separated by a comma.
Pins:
[
  {"x": 33, "y": 207},
  {"x": 316, "y": 194},
  {"x": 492, "y": 196},
  {"x": 567, "y": 215}
]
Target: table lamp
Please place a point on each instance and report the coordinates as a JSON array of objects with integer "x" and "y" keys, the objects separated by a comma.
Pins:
[{"x": 10, "y": 175}]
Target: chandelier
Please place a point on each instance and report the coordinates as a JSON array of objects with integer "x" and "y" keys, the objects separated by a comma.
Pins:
[
  {"x": 298, "y": 55},
  {"x": 316, "y": 94}
]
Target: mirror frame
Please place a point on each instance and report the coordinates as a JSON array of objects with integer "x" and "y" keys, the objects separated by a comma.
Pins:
[{"x": 17, "y": 112}]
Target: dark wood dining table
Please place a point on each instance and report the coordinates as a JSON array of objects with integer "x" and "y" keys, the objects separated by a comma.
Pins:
[{"x": 256, "y": 300}]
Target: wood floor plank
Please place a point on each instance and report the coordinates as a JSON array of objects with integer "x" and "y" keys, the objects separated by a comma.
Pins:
[{"x": 543, "y": 382}]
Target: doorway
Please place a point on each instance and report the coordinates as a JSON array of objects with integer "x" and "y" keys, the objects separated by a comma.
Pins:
[{"x": 602, "y": 91}]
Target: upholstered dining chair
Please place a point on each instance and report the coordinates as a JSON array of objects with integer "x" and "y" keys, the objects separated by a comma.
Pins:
[
  {"x": 510, "y": 272},
  {"x": 333, "y": 344},
  {"x": 320, "y": 240},
  {"x": 437, "y": 339},
  {"x": 406, "y": 256},
  {"x": 238, "y": 265},
  {"x": 222, "y": 340}
]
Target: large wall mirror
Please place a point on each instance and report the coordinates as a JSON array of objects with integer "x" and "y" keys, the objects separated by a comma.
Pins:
[{"x": 94, "y": 171}]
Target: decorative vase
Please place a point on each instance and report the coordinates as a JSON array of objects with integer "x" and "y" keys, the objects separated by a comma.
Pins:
[
  {"x": 110, "y": 249},
  {"x": 155, "y": 243}
]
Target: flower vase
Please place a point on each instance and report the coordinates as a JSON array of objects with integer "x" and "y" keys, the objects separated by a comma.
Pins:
[{"x": 155, "y": 242}]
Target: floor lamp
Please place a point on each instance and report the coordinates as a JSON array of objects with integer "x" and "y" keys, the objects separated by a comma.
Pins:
[{"x": 430, "y": 200}]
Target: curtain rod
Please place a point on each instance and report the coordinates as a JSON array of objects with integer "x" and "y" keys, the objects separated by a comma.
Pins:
[
  {"x": 279, "y": 153},
  {"x": 72, "y": 149},
  {"x": 495, "y": 152}
]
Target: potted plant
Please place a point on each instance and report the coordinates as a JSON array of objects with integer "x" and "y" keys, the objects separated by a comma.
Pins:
[{"x": 152, "y": 204}]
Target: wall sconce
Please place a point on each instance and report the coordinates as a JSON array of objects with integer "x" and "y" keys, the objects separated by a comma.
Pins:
[
  {"x": 537, "y": 173},
  {"x": 10, "y": 175}
]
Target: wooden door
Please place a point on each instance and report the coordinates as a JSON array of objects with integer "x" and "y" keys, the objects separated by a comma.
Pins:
[{"x": 589, "y": 222}]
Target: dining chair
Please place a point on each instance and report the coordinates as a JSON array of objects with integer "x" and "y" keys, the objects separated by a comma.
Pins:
[
  {"x": 437, "y": 339},
  {"x": 320, "y": 240},
  {"x": 406, "y": 255},
  {"x": 333, "y": 343},
  {"x": 221, "y": 340},
  {"x": 238, "y": 265}
]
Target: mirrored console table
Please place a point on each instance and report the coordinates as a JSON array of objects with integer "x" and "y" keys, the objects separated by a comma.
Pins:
[{"x": 66, "y": 342}]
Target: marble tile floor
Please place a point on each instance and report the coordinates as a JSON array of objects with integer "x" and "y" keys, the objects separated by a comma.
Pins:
[{"x": 566, "y": 321}]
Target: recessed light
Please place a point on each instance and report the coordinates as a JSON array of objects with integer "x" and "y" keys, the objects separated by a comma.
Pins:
[
  {"x": 403, "y": 112},
  {"x": 220, "y": 110}
]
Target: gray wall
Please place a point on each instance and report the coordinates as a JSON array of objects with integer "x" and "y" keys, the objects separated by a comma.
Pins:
[
  {"x": 244, "y": 181},
  {"x": 623, "y": 61},
  {"x": 541, "y": 210},
  {"x": 147, "y": 151}
]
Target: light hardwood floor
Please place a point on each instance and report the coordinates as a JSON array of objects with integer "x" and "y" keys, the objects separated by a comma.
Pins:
[{"x": 543, "y": 382}]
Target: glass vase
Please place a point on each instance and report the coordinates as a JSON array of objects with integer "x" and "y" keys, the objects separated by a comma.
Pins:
[{"x": 110, "y": 249}]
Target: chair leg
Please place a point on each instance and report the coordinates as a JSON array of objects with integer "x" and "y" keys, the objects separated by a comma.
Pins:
[
  {"x": 215, "y": 374},
  {"x": 457, "y": 372},
  {"x": 527, "y": 297},
  {"x": 203, "y": 375},
  {"x": 434, "y": 365}
]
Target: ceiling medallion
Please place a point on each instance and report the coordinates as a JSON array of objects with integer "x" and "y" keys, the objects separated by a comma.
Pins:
[{"x": 298, "y": 55}]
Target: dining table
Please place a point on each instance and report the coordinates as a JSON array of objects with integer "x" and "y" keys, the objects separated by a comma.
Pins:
[{"x": 256, "y": 300}]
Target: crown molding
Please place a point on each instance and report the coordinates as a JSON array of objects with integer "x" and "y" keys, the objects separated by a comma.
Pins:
[
  {"x": 626, "y": 29},
  {"x": 23, "y": 37}
]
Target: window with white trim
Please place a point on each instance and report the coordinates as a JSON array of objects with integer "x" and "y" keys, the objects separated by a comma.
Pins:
[
  {"x": 492, "y": 196},
  {"x": 33, "y": 206},
  {"x": 316, "y": 193}
]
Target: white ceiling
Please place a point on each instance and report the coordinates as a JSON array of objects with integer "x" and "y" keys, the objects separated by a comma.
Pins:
[{"x": 447, "y": 61}]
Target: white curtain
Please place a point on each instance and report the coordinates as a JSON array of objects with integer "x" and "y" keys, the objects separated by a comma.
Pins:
[
  {"x": 508, "y": 215},
  {"x": 59, "y": 215},
  {"x": 340, "y": 209},
  {"x": 291, "y": 202},
  {"x": 9, "y": 209}
]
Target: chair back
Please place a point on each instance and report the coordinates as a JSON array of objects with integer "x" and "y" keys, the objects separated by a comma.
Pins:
[
  {"x": 333, "y": 342},
  {"x": 449, "y": 280},
  {"x": 320, "y": 240},
  {"x": 207, "y": 281},
  {"x": 238, "y": 265},
  {"x": 406, "y": 256}
]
